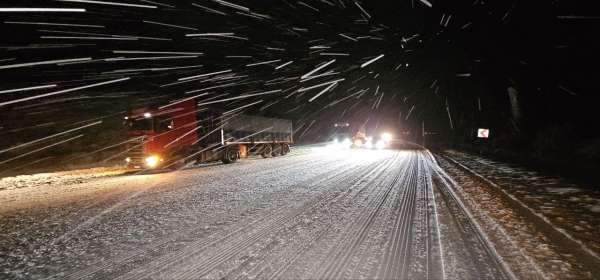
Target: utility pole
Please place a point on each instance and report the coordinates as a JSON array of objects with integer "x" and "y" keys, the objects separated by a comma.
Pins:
[{"x": 423, "y": 133}]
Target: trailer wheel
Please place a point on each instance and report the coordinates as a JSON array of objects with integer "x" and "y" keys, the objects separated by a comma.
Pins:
[
  {"x": 277, "y": 150},
  {"x": 285, "y": 149},
  {"x": 267, "y": 150},
  {"x": 230, "y": 156}
]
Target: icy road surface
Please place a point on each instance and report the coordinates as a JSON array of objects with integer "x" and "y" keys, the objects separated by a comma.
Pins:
[{"x": 315, "y": 213}]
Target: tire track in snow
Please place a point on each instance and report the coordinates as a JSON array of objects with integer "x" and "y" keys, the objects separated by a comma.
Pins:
[
  {"x": 396, "y": 257},
  {"x": 362, "y": 184},
  {"x": 264, "y": 226},
  {"x": 275, "y": 227},
  {"x": 347, "y": 248},
  {"x": 136, "y": 252}
]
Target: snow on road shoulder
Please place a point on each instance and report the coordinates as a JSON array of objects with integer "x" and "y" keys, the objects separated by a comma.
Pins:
[
  {"x": 26, "y": 190},
  {"x": 530, "y": 252},
  {"x": 570, "y": 206},
  {"x": 58, "y": 178}
]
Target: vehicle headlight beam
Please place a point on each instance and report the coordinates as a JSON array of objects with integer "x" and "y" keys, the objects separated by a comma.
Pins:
[{"x": 152, "y": 161}]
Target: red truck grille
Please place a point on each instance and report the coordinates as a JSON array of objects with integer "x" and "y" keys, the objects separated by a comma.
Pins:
[{"x": 135, "y": 151}]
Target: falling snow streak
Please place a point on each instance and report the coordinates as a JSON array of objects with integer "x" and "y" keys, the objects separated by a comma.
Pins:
[
  {"x": 49, "y": 137},
  {"x": 109, "y": 3},
  {"x": 323, "y": 91},
  {"x": 109, "y": 147},
  {"x": 318, "y": 68},
  {"x": 221, "y": 100},
  {"x": 41, "y": 149},
  {"x": 203, "y": 75},
  {"x": 449, "y": 115},
  {"x": 362, "y": 10},
  {"x": 42, "y": 10},
  {"x": 170, "y": 25},
  {"x": 371, "y": 61},
  {"x": 263, "y": 63},
  {"x": 231, "y": 5},
  {"x": 284, "y": 65},
  {"x": 55, "y": 24},
  {"x": 319, "y": 85},
  {"x": 237, "y": 110},
  {"x": 427, "y": 3},
  {"x": 62, "y": 91},
  {"x": 567, "y": 90},
  {"x": 47, "y": 62},
  {"x": 26, "y": 89}
]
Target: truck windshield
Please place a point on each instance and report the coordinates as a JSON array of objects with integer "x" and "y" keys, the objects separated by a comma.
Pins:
[
  {"x": 163, "y": 124},
  {"x": 343, "y": 130},
  {"x": 140, "y": 124}
]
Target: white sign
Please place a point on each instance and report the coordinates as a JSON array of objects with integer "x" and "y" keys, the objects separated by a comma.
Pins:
[{"x": 483, "y": 133}]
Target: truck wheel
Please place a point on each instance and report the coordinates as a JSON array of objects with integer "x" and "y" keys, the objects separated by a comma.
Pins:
[
  {"x": 230, "y": 156},
  {"x": 177, "y": 165},
  {"x": 267, "y": 150},
  {"x": 285, "y": 149},
  {"x": 276, "y": 150}
]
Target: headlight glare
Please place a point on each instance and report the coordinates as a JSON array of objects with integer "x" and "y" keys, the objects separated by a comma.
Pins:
[
  {"x": 358, "y": 142},
  {"x": 386, "y": 136},
  {"x": 152, "y": 161},
  {"x": 347, "y": 142}
]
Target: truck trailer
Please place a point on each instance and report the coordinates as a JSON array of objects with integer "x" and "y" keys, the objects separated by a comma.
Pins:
[{"x": 175, "y": 135}]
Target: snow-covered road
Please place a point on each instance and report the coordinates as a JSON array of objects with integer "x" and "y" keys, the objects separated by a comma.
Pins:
[{"x": 316, "y": 213}]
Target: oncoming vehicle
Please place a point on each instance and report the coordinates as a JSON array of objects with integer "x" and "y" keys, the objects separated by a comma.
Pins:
[
  {"x": 172, "y": 136},
  {"x": 341, "y": 135},
  {"x": 343, "y": 138},
  {"x": 381, "y": 141}
]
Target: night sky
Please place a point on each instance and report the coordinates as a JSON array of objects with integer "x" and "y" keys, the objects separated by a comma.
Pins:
[{"x": 454, "y": 65}]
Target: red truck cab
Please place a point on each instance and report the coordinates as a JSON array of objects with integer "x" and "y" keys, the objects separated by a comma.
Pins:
[{"x": 158, "y": 134}]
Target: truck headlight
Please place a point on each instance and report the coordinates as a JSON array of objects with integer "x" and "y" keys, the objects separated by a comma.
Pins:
[
  {"x": 152, "y": 161},
  {"x": 369, "y": 144},
  {"x": 128, "y": 159},
  {"x": 347, "y": 143},
  {"x": 386, "y": 136},
  {"x": 380, "y": 144},
  {"x": 358, "y": 143}
]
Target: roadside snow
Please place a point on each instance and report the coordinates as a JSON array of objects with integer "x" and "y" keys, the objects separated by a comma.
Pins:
[
  {"x": 530, "y": 253},
  {"x": 59, "y": 178},
  {"x": 563, "y": 202}
]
